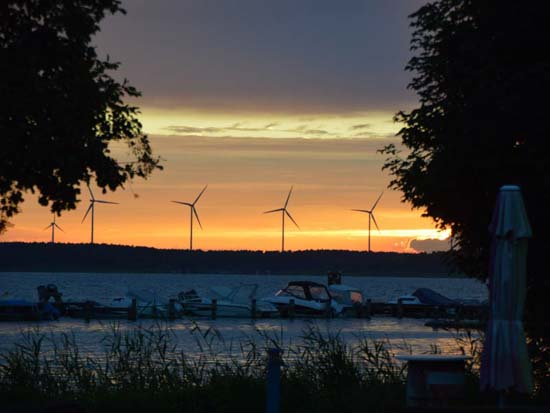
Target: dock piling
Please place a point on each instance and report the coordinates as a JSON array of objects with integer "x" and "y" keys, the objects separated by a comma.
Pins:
[
  {"x": 328, "y": 310},
  {"x": 369, "y": 308},
  {"x": 87, "y": 311},
  {"x": 291, "y": 309},
  {"x": 400, "y": 308},
  {"x": 172, "y": 309},
  {"x": 253, "y": 309},
  {"x": 132, "y": 310},
  {"x": 214, "y": 308}
]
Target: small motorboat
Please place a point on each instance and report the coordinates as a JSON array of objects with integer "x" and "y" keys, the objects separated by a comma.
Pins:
[
  {"x": 305, "y": 298},
  {"x": 147, "y": 306},
  {"x": 23, "y": 310},
  {"x": 350, "y": 298},
  {"x": 424, "y": 296},
  {"x": 229, "y": 302}
]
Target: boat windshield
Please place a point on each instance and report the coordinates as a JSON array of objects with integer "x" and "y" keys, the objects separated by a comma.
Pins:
[
  {"x": 293, "y": 291},
  {"x": 356, "y": 297},
  {"x": 319, "y": 293}
]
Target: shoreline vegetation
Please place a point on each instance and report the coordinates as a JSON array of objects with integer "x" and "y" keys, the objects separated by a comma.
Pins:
[
  {"x": 105, "y": 258},
  {"x": 145, "y": 369}
]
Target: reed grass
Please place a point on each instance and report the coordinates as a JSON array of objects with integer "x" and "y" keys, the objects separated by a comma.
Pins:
[{"x": 145, "y": 370}]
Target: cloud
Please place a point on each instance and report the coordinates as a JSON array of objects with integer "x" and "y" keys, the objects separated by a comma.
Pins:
[
  {"x": 430, "y": 245},
  {"x": 191, "y": 130},
  {"x": 361, "y": 126},
  {"x": 183, "y": 129},
  {"x": 287, "y": 56},
  {"x": 305, "y": 131},
  {"x": 236, "y": 127}
]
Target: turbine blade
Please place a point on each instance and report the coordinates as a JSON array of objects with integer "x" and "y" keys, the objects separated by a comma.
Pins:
[
  {"x": 274, "y": 210},
  {"x": 374, "y": 220},
  {"x": 87, "y": 212},
  {"x": 59, "y": 228},
  {"x": 292, "y": 219},
  {"x": 196, "y": 216},
  {"x": 49, "y": 226},
  {"x": 376, "y": 203},
  {"x": 182, "y": 203},
  {"x": 106, "y": 202},
  {"x": 90, "y": 190},
  {"x": 288, "y": 197},
  {"x": 202, "y": 192},
  {"x": 361, "y": 210}
]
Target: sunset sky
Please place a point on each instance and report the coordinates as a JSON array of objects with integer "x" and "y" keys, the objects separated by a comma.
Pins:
[{"x": 251, "y": 97}]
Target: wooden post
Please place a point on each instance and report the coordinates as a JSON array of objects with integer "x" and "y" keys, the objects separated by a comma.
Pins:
[
  {"x": 400, "y": 308},
  {"x": 132, "y": 310},
  {"x": 172, "y": 309},
  {"x": 328, "y": 308},
  {"x": 253, "y": 308},
  {"x": 360, "y": 311},
  {"x": 459, "y": 315},
  {"x": 87, "y": 311},
  {"x": 214, "y": 308},
  {"x": 369, "y": 307},
  {"x": 291, "y": 309}
]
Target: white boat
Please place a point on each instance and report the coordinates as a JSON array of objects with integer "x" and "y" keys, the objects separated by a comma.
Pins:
[
  {"x": 230, "y": 302},
  {"x": 349, "y": 297},
  {"x": 305, "y": 298},
  {"x": 147, "y": 303},
  {"x": 147, "y": 306}
]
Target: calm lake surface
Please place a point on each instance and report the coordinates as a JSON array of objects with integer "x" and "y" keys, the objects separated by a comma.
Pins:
[{"x": 225, "y": 335}]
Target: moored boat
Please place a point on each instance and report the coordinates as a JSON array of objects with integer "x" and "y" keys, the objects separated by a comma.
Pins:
[
  {"x": 23, "y": 310},
  {"x": 235, "y": 302},
  {"x": 350, "y": 298},
  {"x": 305, "y": 298}
]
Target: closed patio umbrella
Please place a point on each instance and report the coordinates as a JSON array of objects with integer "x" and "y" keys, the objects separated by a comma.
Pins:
[{"x": 505, "y": 364}]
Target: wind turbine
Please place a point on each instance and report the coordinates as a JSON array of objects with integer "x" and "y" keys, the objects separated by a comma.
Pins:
[
  {"x": 371, "y": 215},
  {"x": 53, "y": 226},
  {"x": 284, "y": 212},
  {"x": 192, "y": 211},
  {"x": 92, "y": 208}
]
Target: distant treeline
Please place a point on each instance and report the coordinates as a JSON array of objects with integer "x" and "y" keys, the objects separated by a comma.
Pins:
[{"x": 45, "y": 257}]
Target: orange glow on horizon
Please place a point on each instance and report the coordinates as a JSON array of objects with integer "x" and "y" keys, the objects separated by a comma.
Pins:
[{"x": 246, "y": 176}]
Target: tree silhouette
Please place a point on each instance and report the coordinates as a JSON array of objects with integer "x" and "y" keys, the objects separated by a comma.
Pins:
[
  {"x": 60, "y": 110},
  {"x": 482, "y": 72}
]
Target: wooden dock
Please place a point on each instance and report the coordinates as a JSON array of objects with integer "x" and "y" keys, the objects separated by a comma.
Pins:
[{"x": 89, "y": 310}]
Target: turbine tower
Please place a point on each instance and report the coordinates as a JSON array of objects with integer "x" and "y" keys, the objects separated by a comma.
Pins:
[
  {"x": 284, "y": 212},
  {"x": 371, "y": 215},
  {"x": 92, "y": 208},
  {"x": 192, "y": 211},
  {"x": 53, "y": 226}
]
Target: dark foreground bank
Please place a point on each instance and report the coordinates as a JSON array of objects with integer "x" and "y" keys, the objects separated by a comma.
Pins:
[
  {"x": 145, "y": 370},
  {"x": 45, "y": 257}
]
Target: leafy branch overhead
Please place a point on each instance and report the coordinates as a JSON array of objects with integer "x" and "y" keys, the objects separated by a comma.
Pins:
[
  {"x": 482, "y": 76},
  {"x": 61, "y": 111}
]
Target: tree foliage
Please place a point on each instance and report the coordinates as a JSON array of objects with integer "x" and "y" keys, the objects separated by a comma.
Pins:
[
  {"x": 482, "y": 73},
  {"x": 63, "y": 120}
]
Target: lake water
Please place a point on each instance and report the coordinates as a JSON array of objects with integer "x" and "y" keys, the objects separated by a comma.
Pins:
[{"x": 226, "y": 334}]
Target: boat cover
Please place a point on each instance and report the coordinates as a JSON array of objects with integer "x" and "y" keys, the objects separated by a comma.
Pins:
[{"x": 430, "y": 297}]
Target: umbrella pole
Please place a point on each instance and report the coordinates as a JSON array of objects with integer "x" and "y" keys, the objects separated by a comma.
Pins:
[{"x": 500, "y": 399}]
